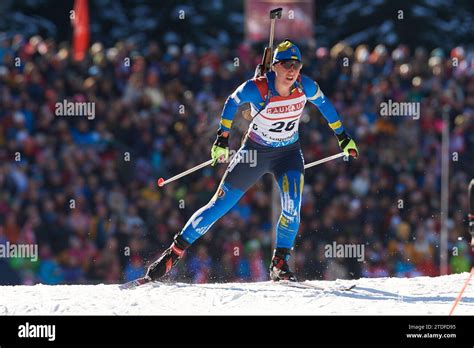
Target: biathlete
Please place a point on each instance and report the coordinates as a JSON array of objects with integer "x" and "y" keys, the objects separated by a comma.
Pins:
[{"x": 277, "y": 100}]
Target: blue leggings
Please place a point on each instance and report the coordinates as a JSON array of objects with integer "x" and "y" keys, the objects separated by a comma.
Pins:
[{"x": 248, "y": 165}]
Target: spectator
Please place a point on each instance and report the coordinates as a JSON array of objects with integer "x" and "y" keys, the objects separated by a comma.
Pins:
[{"x": 387, "y": 200}]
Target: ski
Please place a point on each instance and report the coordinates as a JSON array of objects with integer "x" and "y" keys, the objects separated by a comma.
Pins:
[
  {"x": 134, "y": 283},
  {"x": 304, "y": 285},
  {"x": 301, "y": 285}
]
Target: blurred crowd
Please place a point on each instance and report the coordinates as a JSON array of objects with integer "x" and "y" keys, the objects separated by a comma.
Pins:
[{"x": 85, "y": 189}]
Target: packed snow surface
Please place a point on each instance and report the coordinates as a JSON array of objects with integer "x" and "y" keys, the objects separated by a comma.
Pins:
[{"x": 375, "y": 296}]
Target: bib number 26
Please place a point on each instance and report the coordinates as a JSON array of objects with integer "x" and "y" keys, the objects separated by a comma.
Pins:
[{"x": 280, "y": 126}]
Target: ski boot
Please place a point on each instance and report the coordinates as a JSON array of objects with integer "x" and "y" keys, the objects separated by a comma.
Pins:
[
  {"x": 279, "y": 269},
  {"x": 168, "y": 259}
]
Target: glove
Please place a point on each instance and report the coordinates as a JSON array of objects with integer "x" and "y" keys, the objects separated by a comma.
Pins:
[
  {"x": 220, "y": 148},
  {"x": 347, "y": 145}
]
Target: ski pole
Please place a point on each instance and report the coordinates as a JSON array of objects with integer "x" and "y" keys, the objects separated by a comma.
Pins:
[
  {"x": 162, "y": 182},
  {"x": 315, "y": 163}
]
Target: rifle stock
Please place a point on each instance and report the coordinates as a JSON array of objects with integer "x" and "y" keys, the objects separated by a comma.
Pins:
[
  {"x": 266, "y": 60},
  {"x": 267, "y": 54}
]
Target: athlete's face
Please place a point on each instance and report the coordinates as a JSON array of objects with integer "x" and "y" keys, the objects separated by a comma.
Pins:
[{"x": 287, "y": 72}]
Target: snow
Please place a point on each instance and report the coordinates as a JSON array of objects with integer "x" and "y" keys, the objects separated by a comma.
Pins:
[{"x": 374, "y": 296}]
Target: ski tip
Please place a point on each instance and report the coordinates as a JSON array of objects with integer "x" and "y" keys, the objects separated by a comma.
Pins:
[{"x": 160, "y": 182}]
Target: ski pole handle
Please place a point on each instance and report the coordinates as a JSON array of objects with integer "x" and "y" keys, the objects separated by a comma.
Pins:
[{"x": 161, "y": 182}]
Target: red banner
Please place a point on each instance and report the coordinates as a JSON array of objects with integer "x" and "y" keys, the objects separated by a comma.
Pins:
[
  {"x": 296, "y": 21},
  {"x": 80, "y": 23}
]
